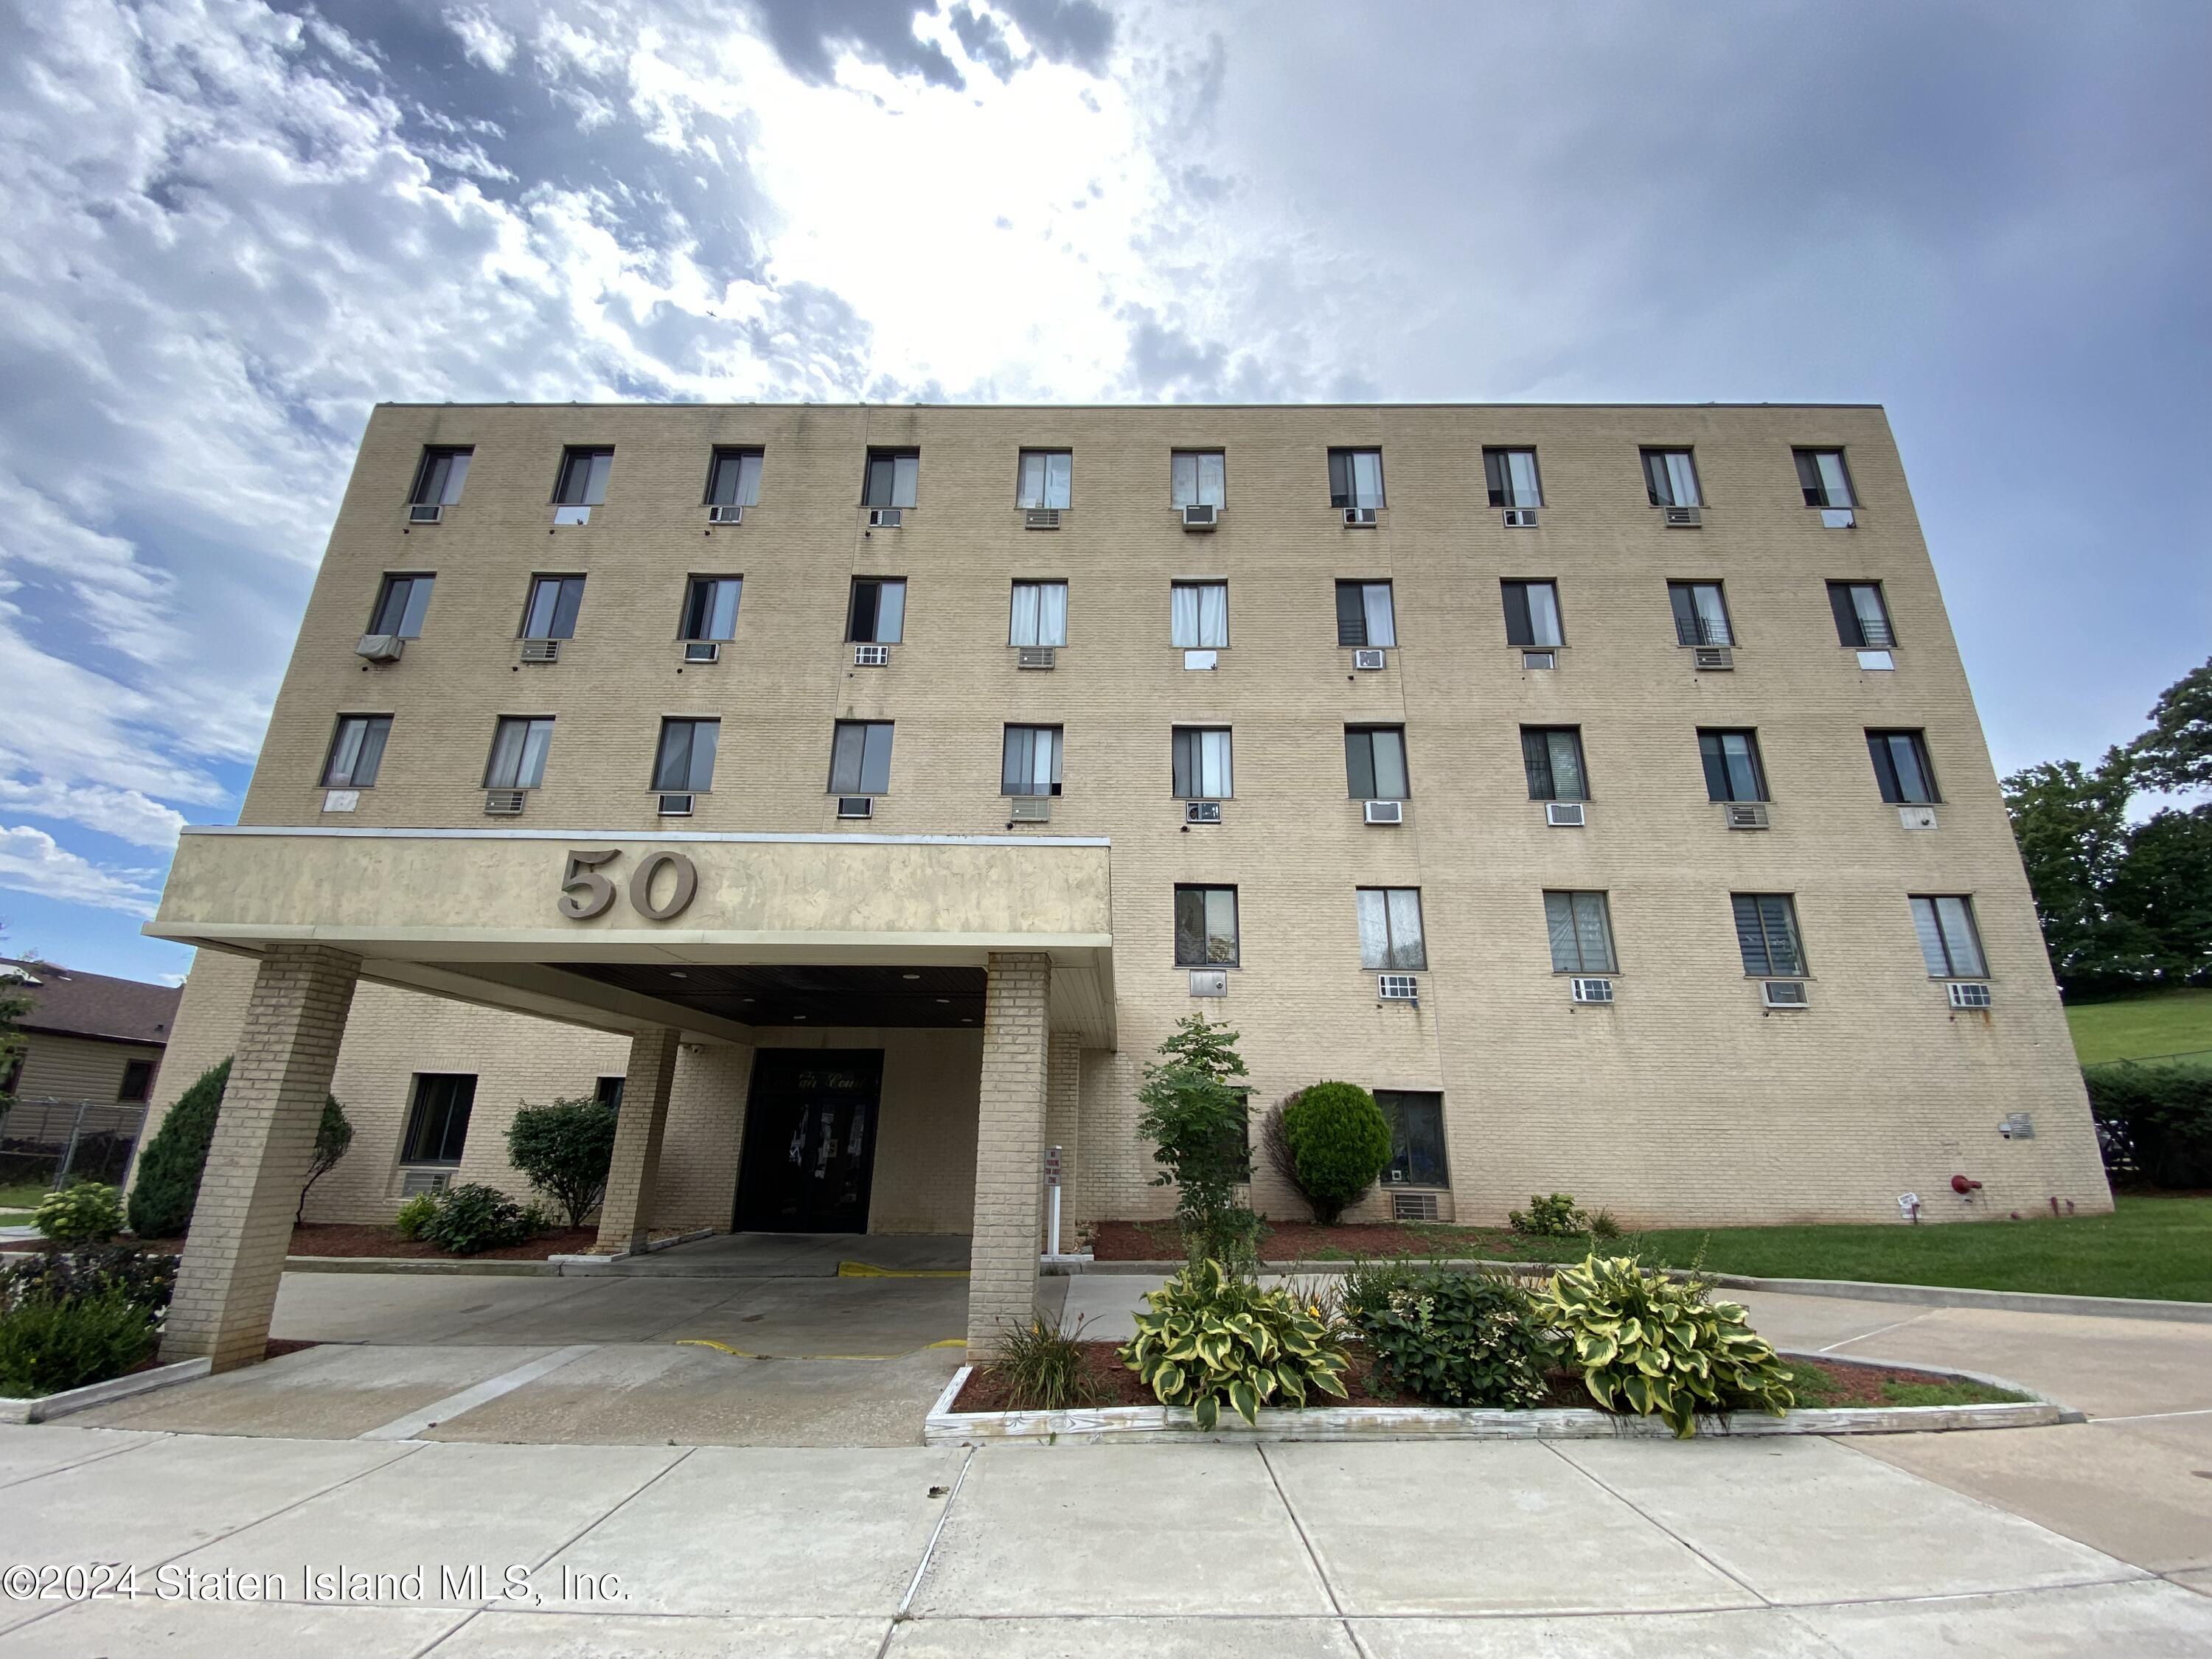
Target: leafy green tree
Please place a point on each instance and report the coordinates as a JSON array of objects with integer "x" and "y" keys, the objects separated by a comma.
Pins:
[
  {"x": 2164, "y": 888},
  {"x": 2071, "y": 824},
  {"x": 1339, "y": 1142},
  {"x": 566, "y": 1149},
  {"x": 333, "y": 1137},
  {"x": 15, "y": 1003},
  {"x": 168, "y": 1184},
  {"x": 1195, "y": 1117},
  {"x": 2176, "y": 753}
]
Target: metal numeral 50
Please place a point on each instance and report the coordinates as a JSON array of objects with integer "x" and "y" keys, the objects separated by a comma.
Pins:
[{"x": 586, "y": 893}]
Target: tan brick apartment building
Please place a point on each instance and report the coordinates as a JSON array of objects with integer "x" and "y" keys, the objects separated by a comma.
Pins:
[{"x": 1600, "y": 785}]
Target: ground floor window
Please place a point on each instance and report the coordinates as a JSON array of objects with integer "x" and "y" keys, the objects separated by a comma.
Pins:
[
  {"x": 1416, "y": 1138},
  {"x": 138, "y": 1081},
  {"x": 609, "y": 1091},
  {"x": 438, "y": 1122}
]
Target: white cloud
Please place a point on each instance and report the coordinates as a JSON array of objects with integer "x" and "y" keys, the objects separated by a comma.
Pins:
[
  {"x": 481, "y": 39},
  {"x": 127, "y": 814},
  {"x": 32, "y": 862}
]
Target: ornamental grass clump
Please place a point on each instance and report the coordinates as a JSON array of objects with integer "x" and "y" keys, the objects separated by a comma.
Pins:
[
  {"x": 1044, "y": 1369},
  {"x": 1656, "y": 1347},
  {"x": 1452, "y": 1338},
  {"x": 1211, "y": 1337}
]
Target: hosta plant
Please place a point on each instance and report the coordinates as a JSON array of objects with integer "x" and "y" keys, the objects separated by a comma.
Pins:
[
  {"x": 1211, "y": 1338},
  {"x": 1656, "y": 1347}
]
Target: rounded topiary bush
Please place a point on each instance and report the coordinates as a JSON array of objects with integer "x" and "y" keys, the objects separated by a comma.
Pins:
[
  {"x": 1339, "y": 1142},
  {"x": 167, "y": 1184}
]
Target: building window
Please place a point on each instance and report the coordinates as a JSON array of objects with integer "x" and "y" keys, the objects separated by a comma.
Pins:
[
  {"x": 1821, "y": 475},
  {"x": 1700, "y": 614},
  {"x": 1862, "y": 618},
  {"x": 1390, "y": 929},
  {"x": 1375, "y": 762},
  {"x": 1047, "y": 478},
  {"x": 137, "y": 1081},
  {"x": 517, "y": 752},
  {"x": 710, "y": 607},
  {"x": 1512, "y": 476},
  {"x": 439, "y": 478},
  {"x": 1355, "y": 478},
  {"x": 734, "y": 478},
  {"x": 1198, "y": 615},
  {"x": 1363, "y": 615},
  {"x": 1767, "y": 933},
  {"x": 860, "y": 758},
  {"x": 438, "y": 1121},
  {"x": 608, "y": 1091},
  {"x": 1040, "y": 614},
  {"x": 1554, "y": 756},
  {"x": 892, "y": 477},
  {"x": 1532, "y": 614},
  {"x": 400, "y": 605},
  {"x": 879, "y": 611},
  {"x": 551, "y": 612},
  {"x": 356, "y": 751},
  {"x": 1198, "y": 477},
  {"x": 1416, "y": 1138},
  {"x": 685, "y": 763},
  {"x": 1205, "y": 926},
  {"x": 1949, "y": 940},
  {"x": 1901, "y": 767},
  {"x": 1670, "y": 479},
  {"x": 1731, "y": 768},
  {"x": 1031, "y": 761},
  {"x": 1580, "y": 927},
  {"x": 583, "y": 481},
  {"x": 1201, "y": 763}
]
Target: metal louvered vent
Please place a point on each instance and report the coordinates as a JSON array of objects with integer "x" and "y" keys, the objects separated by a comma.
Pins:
[{"x": 1414, "y": 1207}]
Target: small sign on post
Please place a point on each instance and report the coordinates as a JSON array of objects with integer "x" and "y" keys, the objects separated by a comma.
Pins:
[
  {"x": 1052, "y": 1198},
  {"x": 1052, "y": 1166}
]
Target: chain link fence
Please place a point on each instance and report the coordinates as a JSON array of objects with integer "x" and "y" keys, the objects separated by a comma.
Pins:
[{"x": 45, "y": 1143}]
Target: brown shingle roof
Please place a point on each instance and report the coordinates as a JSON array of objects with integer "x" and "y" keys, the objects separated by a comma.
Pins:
[{"x": 71, "y": 1003}]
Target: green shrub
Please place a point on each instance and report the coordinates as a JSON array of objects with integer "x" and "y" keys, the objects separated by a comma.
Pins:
[
  {"x": 565, "y": 1148},
  {"x": 147, "y": 1276},
  {"x": 2163, "y": 1116},
  {"x": 1602, "y": 1225},
  {"x": 333, "y": 1137},
  {"x": 412, "y": 1217},
  {"x": 1555, "y": 1217},
  {"x": 168, "y": 1184},
  {"x": 90, "y": 1212},
  {"x": 1043, "y": 1370},
  {"x": 1454, "y": 1339},
  {"x": 46, "y": 1346},
  {"x": 1195, "y": 1118},
  {"x": 1655, "y": 1346},
  {"x": 472, "y": 1218},
  {"x": 1340, "y": 1143},
  {"x": 1209, "y": 1337}
]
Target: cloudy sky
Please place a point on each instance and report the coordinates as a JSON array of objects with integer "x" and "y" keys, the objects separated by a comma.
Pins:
[{"x": 232, "y": 226}]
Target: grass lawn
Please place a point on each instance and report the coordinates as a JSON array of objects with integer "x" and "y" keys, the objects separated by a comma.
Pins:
[
  {"x": 2135, "y": 1028},
  {"x": 21, "y": 1195}
]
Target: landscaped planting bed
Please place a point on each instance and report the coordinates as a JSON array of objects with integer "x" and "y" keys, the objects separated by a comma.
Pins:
[{"x": 340, "y": 1238}]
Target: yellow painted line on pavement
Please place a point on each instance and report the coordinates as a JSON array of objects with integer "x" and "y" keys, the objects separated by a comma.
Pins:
[
  {"x": 742, "y": 1353},
  {"x": 869, "y": 1270}
]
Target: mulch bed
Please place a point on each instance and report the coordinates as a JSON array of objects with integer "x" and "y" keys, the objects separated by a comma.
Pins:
[
  {"x": 342, "y": 1238},
  {"x": 1295, "y": 1241}
]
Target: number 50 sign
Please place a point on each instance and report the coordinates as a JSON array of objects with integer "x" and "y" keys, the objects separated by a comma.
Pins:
[{"x": 586, "y": 893}]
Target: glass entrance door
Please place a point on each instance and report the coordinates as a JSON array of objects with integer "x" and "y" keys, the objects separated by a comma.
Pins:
[{"x": 810, "y": 1148}]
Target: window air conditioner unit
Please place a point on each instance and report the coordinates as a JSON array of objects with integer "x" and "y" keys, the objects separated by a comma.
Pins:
[
  {"x": 1035, "y": 656},
  {"x": 1199, "y": 516},
  {"x": 1784, "y": 994},
  {"x": 725, "y": 516},
  {"x": 1591, "y": 990},
  {"x": 1383, "y": 811},
  {"x": 1368, "y": 659},
  {"x": 1201, "y": 811},
  {"x": 856, "y": 806},
  {"x": 871, "y": 656},
  {"x": 703, "y": 651},
  {"x": 1397, "y": 987},
  {"x": 1520, "y": 517},
  {"x": 1041, "y": 517},
  {"x": 414, "y": 1183},
  {"x": 1359, "y": 516},
  {"x": 425, "y": 512},
  {"x": 1917, "y": 817},
  {"x": 1745, "y": 815},
  {"x": 886, "y": 518},
  {"x": 676, "y": 806},
  {"x": 1539, "y": 660},
  {"x": 1685, "y": 518},
  {"x": 379, "y": 648},
  {"x": 504, "y": 803},
  {"x": 1969, "y": 996},
  {"x": 572, "y": 515},
  {"x": 541, "y": 650},
  {"x": 1031, "y": 809},
  {"x": 1209, "y": 981},
  {"x": 1414, "y": 1207},
  {"x": 1564, "y": 814},
  {"x": 1839, "y": 518},
  {"x": 1714, "y": 659}
]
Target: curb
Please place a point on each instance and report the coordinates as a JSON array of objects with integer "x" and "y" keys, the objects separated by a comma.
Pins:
[{"x": 43, "y": 1407}]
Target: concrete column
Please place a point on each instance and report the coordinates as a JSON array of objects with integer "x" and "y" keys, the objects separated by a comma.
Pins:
[
  {"x": 1063, "y": 1107},
  {"x": 626, "y": 1212},
  {"x": 1009, "y": 1147},
  {"x": 264, "y": 1139}
]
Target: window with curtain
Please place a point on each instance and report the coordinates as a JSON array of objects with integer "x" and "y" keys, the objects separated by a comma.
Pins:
[
  {"x": 734, "y": 478},
  {"x": 877, "y": 616},
  {"x": 1040, "y": 614},
  {"x": 893, "y": 477},
  {"x": 439, "y": 479},
  {"x": 1670, "y": 479},
  {"x": 1767, "y": 933},
  {"x": 1201, "y": 763},
  {"x": 860, "y": 758},
  {"x": 1390, "y": 930},
  {"x": 1700, "y": 614},
  {"x": 551, "y": 612},
  {"x": 1822, "y": 475},
  {"x": 583, "y": 481},
  {"x": 1861, "y": 615},
  {"x": 1375, "y": 762},
  {"x": 1416, "y": 1138},
  {"x": 684, "y": 764},
  {"x": 356, "y": 752},
  {"x": 1198, "y": 477},
  {"x": 519, "y": 743},
  {"x": 400, "y": 606},
  {"x": 1510, "y": 474},
  {"x": 1205, "y": 926},
  {"x": 1554, "y": 757},
  {"x": 1048, "y": 477},
  {"x": 1532, "y": 614},
  {"x": 1581, "y": 927},
  {"x": 1355, "y": 478},
  {"x": 1363, "y": 615},
  {"x": 1733, "y": 771},
  {"x": 1198, "y": 614},
  {"x": 438, "y": 1118},
  {"x": 1031, "y": 761},
  {"x": 1950, "y": 942},
  {"x": 710, "y": 607},
  {"x": 1901, "y": 767}
]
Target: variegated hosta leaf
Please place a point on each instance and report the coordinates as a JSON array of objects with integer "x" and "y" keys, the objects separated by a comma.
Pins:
[{"x": 1246, "y": 1400}]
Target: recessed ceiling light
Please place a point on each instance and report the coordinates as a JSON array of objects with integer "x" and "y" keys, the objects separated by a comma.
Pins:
[
  {"x": 910, "y": 976},
  {"x": 946, "y": 1001},
  {"x": 674, "y": 973},
  {"x": 799, "y": 1017},
  {"x": 752, "y": 999},
  {"x": 965, "y": 1020}
]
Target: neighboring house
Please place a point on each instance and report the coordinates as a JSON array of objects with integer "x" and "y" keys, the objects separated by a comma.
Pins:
[{"x": 87, "y": 1038}]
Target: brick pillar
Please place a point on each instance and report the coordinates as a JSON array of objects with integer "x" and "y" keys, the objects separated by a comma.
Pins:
[
  {"x": 626, "y": 1213},
  {"x": 1063, "y": 1104},
  {"x": 264, "y": 1139},
  {"x": 1009, "y": 1147}
]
